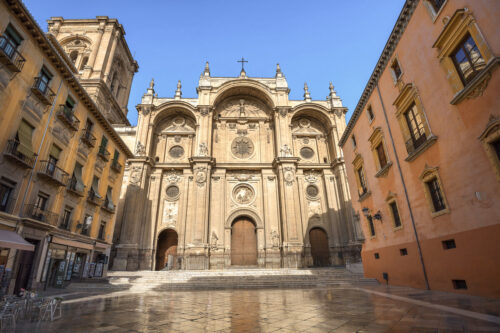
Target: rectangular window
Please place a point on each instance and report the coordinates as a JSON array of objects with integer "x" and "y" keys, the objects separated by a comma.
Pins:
[
  {"x": 371, "y": 225},
  {"x": 10, "y": 41},
  {"x": 353, "y": 140},
  {"x": 468, "y": 60},
  {"x": 415, "y": 126},
  {"x": 496, "y": 147},
  {"x": 41, "y": 201},
  {"x": 44, "y": 79},
  {"x": 396, "y": 69},
  {"x": 87, "y": 223},
  {"x": 76, "y": 183},
  {"x": 381, "y": 155},
  {"x": 403, "y": 252},
  {"x": 395, "y": 214},
  {"x": 436, "y": 4},
  {"x": 66, "y": 218},
  {"x": 89, "y": 126},
  {"x": 449, "y": 244},
  {"x": 369, "y": 111},
  {"x": 6, "y": 192},
  {"x": 24, "y": 137},
  {"x": 362, "y": 182},
  {"x": 102, "y": 230},
  {"x": 104, "y": 142},
  {"x": 377, "y": 255},
  {"x": 459, "y": 284},
  {"x": 436, "y": 195},
  {"x": 94, "y": 190}
]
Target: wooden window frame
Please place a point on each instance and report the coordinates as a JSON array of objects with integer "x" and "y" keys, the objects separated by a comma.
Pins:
[
  {"x": 376, "y": 139},
  {"x": 490, "y": 135},
  {"x": 396, "y": 78},
  {"x": 359, "y": 168},
  {"x": 467, "y": 54},
  {"x": 392, "y": 199},
  {"x": 432, "y": 11},
  {"x": 463, "y": 23},
  {"x": 371, "y": 227},
  {"x": 370, "y": 113},
  {"x": 429, "y": 174}
]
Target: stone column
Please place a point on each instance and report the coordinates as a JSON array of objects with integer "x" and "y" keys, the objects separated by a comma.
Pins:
[{"x": 290, "y": 211}]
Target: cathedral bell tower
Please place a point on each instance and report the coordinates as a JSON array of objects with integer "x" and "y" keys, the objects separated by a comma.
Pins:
[{"x": 102, "y": 59}]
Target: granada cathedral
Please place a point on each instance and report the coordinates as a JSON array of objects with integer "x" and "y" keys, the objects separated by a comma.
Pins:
[{"x": 238, "y": 176}]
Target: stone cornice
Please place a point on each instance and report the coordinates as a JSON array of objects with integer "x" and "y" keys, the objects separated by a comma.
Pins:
[{"x": 390, "y": 46}]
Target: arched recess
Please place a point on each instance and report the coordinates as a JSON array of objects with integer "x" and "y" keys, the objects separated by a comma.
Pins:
[
  {"x": 173, "y": 133},
  {"x": 243, "y": 242},
  {"x": 166, "y": 249},
  {"x": 311, "y": 134},
  {"x": 320, "y": 251},
  {"x": 244, "y": 213},
  {"x": 246, "y": 87}
]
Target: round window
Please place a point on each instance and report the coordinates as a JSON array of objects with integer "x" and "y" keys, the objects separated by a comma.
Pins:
[
  {"x": 176, "y": 151},
  {"x": 306, "y": 152},
  {"x": 312, "y": 191},
  {"x": 172, "y": 191}
]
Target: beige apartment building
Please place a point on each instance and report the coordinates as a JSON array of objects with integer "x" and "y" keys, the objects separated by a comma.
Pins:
[
  {"x": 422, "y": 150},
  {"x": 61, "y": 161}
]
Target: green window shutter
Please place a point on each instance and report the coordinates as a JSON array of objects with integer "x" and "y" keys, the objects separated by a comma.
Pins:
[
  {"x": 25, "y": 134},
  {"x": 70, "y": 102},
  {"x": 55, "y": 152},
  {"x": 13, "y": 35},
  {"x": 104, "y": 141},
  {"x": 116, "y": 156}
]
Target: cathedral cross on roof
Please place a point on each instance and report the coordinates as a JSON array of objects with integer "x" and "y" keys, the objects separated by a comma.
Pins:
[{"x": 242, "y": 63}]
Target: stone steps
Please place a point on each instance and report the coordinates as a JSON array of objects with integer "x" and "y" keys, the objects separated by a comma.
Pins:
[{"x": 142, "y": 281}]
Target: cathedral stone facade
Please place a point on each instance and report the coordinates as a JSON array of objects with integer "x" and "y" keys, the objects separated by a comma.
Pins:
[{"x": 239, "y": 176}]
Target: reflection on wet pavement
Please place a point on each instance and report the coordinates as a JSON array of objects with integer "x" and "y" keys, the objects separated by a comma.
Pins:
[{"x": 269, "y": 310}]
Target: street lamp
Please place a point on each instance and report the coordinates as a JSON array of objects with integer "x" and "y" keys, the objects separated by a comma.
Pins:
[
  {"x": 366, "y": 211},
  {"x": 378, "y": 216}
]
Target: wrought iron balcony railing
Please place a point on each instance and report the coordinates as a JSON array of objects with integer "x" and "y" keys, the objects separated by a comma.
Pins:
[
  {"x": 67, "y": 116},
  {"x": 116, "y": 166},
  {"x": 88, "y": 138},
  {"x": 23, "y": 156},
  {"x": 53, "y": 173},
  {"x": 10, "y": 56},
  {"x": 42, "y": 90},
  {"x": 37, "y": 213},
  {"x": 94, "y": 198},
  {"x": 103, "y": 153}
]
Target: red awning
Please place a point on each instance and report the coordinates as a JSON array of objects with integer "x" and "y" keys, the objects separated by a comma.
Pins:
[{"x": 11, "y": 240}]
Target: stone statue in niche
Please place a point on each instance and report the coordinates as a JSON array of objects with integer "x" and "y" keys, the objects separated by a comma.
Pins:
[
  {"x": 242, "y": 108},
  {"x": 203, "y": 149},
  {"x": 275, "y": 238},
  {"x": 213, "y": 241},
  {"x": 169, "y": 212},
  {"x": 140, "y": 149},
  {"x": 286, "y": 151}
]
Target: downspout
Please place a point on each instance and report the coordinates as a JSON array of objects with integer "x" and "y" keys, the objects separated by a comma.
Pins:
[{"x": 406, "y": 192}]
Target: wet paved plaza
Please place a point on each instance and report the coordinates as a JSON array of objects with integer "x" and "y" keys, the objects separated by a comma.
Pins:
[{"x": 366, "y": 309}]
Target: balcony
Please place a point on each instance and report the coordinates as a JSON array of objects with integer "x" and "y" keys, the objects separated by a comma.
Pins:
[
  {"x": 94, "y": 198},
  {"x": 66, "y": 115},
  {"x": 7, "y": 203},
  {"x": 37, "y": 213},
  {"x": 9, "y": 56},
  {"x": 41, "y": 89},
  {"x": 20, "y": 156},
  {"x": 75, "y": 187},
  {"x": 415, "y": 148},
  {"x": 103, "y": 153},
  {"x": 53, "y": 173},
  {"x": 116, "y": 166},
  {"x": 88, "y": 138},
  {"x": 65, "y": 225},
  {"x": 108, "y": 206}
]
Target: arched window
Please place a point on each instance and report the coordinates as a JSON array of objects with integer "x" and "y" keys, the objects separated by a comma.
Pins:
[
  {"x": 73, "y": 56},
  {"x": 113, "y": 82},
  {"x": 84, "y": 62}
]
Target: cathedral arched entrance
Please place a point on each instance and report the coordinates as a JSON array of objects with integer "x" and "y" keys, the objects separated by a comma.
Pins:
[
  {"x": 243, "y": 242},
  {"x": 166, "y": 250},
  {"x": 319, "y": 247}
]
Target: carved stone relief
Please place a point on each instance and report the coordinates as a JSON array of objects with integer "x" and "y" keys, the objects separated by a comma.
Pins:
[
  {"x": 136, "y": 175},
  {"x": 289, "y": 176},
  {"x": 242, "y": 147},
  {"x": 200, "y": 176},
  {"x": 243, "y": 194},
  {"x": 170, "y": 210}
]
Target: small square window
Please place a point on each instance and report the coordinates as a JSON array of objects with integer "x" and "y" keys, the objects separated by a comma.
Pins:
[
  {"x": 369, "y": 111},
  {"x": 377, "y": 256},
  {"x": 449, "y": 244},
  {"x": 403, "y": 252},
  {"x": 459, "y": 284},
  {"x": 396, "y": 69}
]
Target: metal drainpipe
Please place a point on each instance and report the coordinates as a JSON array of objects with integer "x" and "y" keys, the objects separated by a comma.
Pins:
[
  {"x": 405, "y": 190},
  {"x": 40, "y": 147}
]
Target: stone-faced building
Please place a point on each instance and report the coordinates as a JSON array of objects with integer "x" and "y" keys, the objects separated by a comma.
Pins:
[{"x": 239, "y": 176}]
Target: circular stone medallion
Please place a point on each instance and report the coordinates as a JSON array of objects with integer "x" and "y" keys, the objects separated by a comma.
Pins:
[
  {"x": 243, "y": 194},
  {"x": 304, "y": 122},
  {"x": 172, "y": 191},
  {"x": 306, "y": 152},
  {"x": 242, "y": 147},
  {"x": 176, "y": 151},
  {"x": 312, "y": 191},
  {"x": 179, "y": 121}
]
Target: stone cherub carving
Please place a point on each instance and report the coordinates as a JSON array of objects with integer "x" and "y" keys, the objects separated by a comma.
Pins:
[
  {"x": 275, "y": 238},
  {"x": 203, "y": 149},
  {"x": 285, "y": 151},
  {"x": 213, "y": 241},
  {"x": 140, "y": 149}
]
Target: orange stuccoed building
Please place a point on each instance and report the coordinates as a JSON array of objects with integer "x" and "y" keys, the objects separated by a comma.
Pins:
[{"x": 422, "y": 150}]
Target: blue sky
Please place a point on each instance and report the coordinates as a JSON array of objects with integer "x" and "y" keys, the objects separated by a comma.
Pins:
[{"x": 314, "y": 41}]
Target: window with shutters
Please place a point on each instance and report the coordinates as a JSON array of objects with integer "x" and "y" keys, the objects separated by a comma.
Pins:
[
  {"x": 66, "y": 218},
  {"x": 434, "y": 191},
  {"x": 102, "y": 231}
]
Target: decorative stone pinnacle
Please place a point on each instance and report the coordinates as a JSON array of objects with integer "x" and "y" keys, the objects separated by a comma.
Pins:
[
  {"x": 333, "y": 94},
  {"x": 307, "y": 95},
  {"x": 278, "y": 71},
  {"x": 206, "y": 72},
  {"x": 178, "y": 92},
  {"x": 151, "y": 90}
]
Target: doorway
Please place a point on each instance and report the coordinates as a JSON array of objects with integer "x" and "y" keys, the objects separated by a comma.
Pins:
[
  {"x": 25, "y": 268},
  {"x": 166, "y": 250},
  {"x": 319, "y": 247},
  {"x": 243, "y": 243}
]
